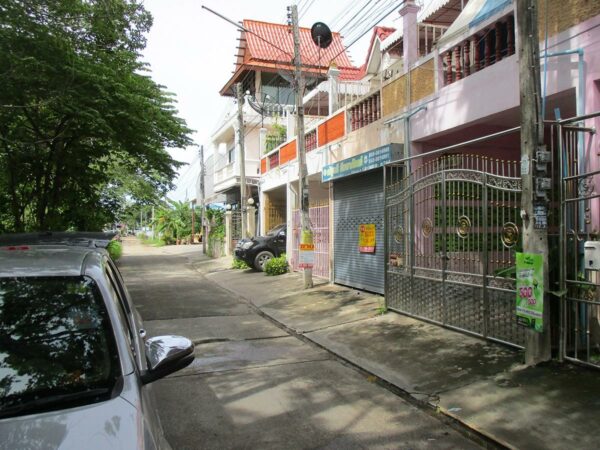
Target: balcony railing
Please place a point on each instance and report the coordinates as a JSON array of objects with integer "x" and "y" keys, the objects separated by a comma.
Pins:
[
  {"x": 483, "y": 49},
  {"x": 365, "y": 112},
  {"x": 273, "y": 160},
  {"x": 428, "y": 37},
  {"x": 310, "y": 140}
]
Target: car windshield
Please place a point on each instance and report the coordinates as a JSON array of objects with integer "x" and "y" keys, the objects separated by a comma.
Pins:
[
  {"x": 275, "y": 230},
  {"x": 57, "y": 348}
]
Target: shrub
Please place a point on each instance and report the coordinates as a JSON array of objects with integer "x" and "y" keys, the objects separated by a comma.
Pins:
[
  {"x": 115, "y": 249},
  {"x": 239, "y": 264},
  {"x": 276, "y": 266}
]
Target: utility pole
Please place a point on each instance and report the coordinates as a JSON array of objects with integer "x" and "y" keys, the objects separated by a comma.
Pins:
[
  {"x": 240, "y": 101},
  {"x": 193, "y": 220},
  {"x": 535, "y": 184},
  {"x": 305, "y": 235},
  {"x": 202, "y": 199}
]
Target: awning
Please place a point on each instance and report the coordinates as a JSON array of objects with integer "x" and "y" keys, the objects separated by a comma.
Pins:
[{"x": 475, "y": 13}]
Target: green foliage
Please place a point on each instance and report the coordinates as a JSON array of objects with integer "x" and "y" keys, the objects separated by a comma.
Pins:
[
  {"x": 382, "y": 308},
  {"x": 83, "y": 127},
  {"x": 276, "y": 266},
  {"x": 173, "y": 221},
  {"x": 115, "y": 250},
  {"x": 239, "y": 264},
  {"x": 275, "y": 137},
  {"x": 216, "y": 217}
]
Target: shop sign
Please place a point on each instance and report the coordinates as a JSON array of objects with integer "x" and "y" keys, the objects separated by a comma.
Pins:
[
  {"x": 530, "y": 291},
  {"x": 366, "y": 238},
  {"x": 306, "y": 253},
  {"x": 361, "y": 163}
]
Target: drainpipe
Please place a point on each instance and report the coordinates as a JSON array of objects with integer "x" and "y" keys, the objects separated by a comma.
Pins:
[{"x": 406, "y": 117}]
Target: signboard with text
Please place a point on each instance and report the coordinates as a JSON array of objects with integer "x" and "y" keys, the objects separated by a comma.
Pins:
[
  {"x": 366, "y": 238},
  {"x": 530, "y": 291},
  {"x": 306, "y": 251},
  {"x": 361, "y": 163}
]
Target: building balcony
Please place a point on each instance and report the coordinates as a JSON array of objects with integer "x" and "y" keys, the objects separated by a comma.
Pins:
[
  {"x": 228, "y": 177},
  {"x": 481, "y": 50}
]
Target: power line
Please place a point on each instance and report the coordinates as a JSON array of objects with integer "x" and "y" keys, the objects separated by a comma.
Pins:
[
  {"x": 379, "y": 19},
  {"x": 241, "y": 27}
]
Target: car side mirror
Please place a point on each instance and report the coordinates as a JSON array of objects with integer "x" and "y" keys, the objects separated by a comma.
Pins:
[
  {"x": 166, "y": 355},
  {"x": 282, "y": 233}
]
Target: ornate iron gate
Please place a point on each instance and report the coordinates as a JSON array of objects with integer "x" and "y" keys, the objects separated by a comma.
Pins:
[
  {"x": 451, "y": 237},
  {"x": 319, "y": 224},
  {"x": 580, "y": 223}
]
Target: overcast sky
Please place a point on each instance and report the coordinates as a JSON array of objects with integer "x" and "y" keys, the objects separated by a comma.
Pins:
[{"x": 192, "y": 52}]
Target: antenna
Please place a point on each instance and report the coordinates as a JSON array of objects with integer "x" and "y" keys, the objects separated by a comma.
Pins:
[{"x": 321, "y": 35}]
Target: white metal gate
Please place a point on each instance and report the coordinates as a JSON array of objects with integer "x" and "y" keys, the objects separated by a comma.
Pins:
[
  {"x": 579, "y": 223},
  {"x": 319, "y": 224}
]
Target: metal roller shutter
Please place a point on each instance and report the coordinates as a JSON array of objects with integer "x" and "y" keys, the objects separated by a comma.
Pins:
[{"x": 358, "y": 200}]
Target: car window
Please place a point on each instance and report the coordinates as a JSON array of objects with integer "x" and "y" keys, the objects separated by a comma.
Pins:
[
  {"x": 122, "y": 309},
  {"x": 58, "y": 348}
]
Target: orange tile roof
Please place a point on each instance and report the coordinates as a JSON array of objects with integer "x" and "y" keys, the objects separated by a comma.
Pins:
[
  {"x": 378, "y": 32},
  {"x": 270, "y": 46}
]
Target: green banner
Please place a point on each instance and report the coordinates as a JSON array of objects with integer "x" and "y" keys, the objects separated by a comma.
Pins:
[{"x": 530, "y": 290}]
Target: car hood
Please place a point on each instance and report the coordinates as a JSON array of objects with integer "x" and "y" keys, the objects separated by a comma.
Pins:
[
  {"x": 255, "y": 240},
  {"x": 110, "y": 424}
]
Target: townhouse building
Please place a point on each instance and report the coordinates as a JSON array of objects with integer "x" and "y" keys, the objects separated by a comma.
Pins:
[{"x": 415, "y": 168}]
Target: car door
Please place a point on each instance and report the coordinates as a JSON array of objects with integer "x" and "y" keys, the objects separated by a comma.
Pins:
[{"x": 147, "y": 402}]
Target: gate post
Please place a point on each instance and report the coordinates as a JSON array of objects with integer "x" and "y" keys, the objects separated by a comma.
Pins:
[
  {"x": 484, "y": 272},
  {"x": 228, "y": 233},
  {"x": 562, "y": 249},
  {"x": 444, "y": 252},
  {"x": 251, "y": 221}
]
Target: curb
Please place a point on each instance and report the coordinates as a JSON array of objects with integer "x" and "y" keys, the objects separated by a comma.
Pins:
[{"x": 480, "y": 437}]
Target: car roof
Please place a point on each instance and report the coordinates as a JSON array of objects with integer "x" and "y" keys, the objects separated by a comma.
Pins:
[
  {"x": 81, "y": 238},
  {"x": 48, "y": 260}
]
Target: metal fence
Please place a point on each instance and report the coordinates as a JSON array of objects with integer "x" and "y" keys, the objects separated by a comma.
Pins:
[
  {"x": 236, "y": 225},
  {"x": 579, "y": 228},
  {"x": 319, "y": 223},
  {"x": 451, "y": 239}
]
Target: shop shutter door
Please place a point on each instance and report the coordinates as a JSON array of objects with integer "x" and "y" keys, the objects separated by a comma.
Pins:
[{"x": 358, "y": 200}]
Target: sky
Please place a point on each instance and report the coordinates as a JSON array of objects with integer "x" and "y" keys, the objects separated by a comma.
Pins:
[{"x": 192, "y": 53}]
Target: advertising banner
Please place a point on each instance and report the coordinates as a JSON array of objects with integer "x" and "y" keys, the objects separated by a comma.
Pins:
[
  {"x": 530, "y": 291},
  {"x": 366, "y": 238},
  {"x": 306, "y": 253}
]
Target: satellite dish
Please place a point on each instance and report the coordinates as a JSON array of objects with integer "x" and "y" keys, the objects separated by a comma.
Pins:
[{"x": 321, "y": 35}]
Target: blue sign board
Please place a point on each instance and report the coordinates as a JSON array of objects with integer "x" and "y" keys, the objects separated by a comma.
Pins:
[{"x": 361, "y": 163}]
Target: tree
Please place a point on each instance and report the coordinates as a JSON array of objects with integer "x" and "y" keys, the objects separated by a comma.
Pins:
[
  {"x": 174, "y": 220},
  {"x": 82, "y": 125}
]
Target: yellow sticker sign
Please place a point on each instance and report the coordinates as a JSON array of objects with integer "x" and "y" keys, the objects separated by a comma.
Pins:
[{"x": 366, "y": 238}]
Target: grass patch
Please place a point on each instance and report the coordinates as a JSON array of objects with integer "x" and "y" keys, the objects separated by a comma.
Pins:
[{"x": 153, "y": 242}]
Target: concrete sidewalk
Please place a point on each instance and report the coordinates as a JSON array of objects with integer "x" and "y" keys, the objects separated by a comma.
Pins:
[{"x": 480, "y": 384}]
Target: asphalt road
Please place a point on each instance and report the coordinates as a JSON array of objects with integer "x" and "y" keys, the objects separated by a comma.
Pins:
[{"x": 252, "y": 385}]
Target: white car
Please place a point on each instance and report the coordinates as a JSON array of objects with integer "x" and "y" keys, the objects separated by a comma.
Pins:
[{"x": 75, "y": 365}]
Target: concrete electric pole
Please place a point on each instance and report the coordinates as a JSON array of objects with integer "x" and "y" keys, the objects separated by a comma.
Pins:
[
  {"x": 305, "y": 235},
  {"x": 534, "y": 159},
  {"x": 242, "y": 161},
  {"x": 202, "y": 199}
]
